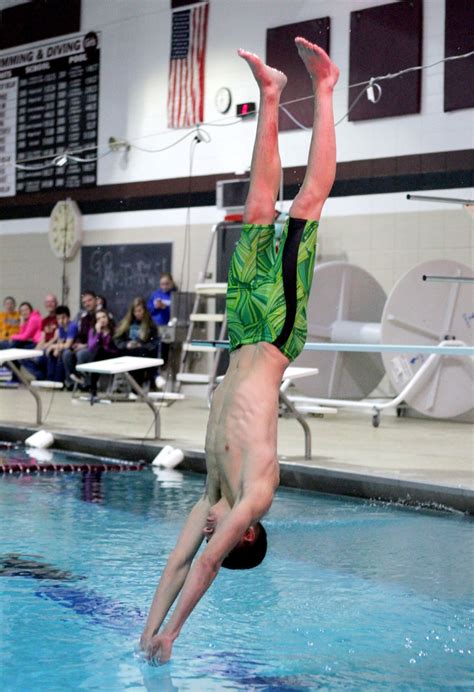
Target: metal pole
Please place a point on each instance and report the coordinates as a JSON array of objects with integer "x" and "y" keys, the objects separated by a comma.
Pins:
[
  {"x": 18, "y": 373},
  {"x": 136, "y": 388},
  {"x": 460, "y": 279},
  {"x": 450, "y": 200},
  {"x": 301, "y": 421}
]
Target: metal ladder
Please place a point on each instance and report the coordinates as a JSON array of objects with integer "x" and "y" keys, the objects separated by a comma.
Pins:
[{"x": 205, "y": 290}]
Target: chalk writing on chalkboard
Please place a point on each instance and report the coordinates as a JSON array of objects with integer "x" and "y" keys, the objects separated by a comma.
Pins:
[{"x": 122, "y": 272}]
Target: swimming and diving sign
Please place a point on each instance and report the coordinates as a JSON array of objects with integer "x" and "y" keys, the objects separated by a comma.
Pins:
[{"x": 49, "y": 103}]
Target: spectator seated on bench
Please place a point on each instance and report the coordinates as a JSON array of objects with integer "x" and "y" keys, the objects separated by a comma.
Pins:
[
  {"x": 100, "y": 346},
  {"x": 63, "y": 338},
  {"x": 37, "y": 367},
  {"x": 9, "y": 320},
  {"x": 9, "y": 325},
  {"x": 85, "y": 321},
  {"x": 137, "y": 335},
  {"x": 29, "y": 334}
]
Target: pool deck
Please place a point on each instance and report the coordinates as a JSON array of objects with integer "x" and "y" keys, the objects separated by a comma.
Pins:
[{"x": 427, "y": 462}]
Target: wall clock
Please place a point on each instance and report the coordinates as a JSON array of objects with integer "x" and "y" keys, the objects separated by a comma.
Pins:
[
  {"x": 65, "y": 229},
  {"x": 223, "y": 100}
]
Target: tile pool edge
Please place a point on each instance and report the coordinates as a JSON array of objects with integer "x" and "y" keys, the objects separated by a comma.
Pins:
[{"x": 292, "y": 475}]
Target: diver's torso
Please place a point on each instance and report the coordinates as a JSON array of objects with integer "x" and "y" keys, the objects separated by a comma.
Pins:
[{"x": 241, "y": 438}]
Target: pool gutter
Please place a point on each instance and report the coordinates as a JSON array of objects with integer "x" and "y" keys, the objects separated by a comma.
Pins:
[{"x": 292, "y": 475}]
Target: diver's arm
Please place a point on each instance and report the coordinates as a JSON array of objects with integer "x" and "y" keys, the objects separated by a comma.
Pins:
[
  {"x": 202, "y": 574},
  {"x": 177, "y": 568}
]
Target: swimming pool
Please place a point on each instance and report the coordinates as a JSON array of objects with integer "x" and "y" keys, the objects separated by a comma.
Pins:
[{"x": 352, "y": 595}]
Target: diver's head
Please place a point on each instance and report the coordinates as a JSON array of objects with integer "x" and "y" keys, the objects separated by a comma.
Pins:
[{"x": 250, "y": 550}]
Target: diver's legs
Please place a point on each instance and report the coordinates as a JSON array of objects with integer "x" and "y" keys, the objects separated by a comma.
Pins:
[
  {"x": 321, "y": 169},
  {"x": 266, "y": 166}
]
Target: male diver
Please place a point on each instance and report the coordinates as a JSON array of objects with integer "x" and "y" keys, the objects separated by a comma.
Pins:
[{"x": 266, "y": 308}]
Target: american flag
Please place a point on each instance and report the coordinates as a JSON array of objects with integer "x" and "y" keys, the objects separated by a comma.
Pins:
[{"x": 186, "y": 78}]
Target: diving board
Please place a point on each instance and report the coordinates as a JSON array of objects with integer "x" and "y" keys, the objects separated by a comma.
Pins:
[{"x": 453, "y": 349}]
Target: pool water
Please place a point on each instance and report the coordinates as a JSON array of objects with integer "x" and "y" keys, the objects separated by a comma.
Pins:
[{"x": 352, "y": 594}]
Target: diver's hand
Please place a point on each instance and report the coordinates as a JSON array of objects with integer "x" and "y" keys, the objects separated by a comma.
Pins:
[
  {"x": 158, "y": 648},
  {"x": 145, "y": 641}
]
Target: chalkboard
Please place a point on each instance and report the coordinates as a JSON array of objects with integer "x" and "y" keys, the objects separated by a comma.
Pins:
[{"x": 120, "y": 273}]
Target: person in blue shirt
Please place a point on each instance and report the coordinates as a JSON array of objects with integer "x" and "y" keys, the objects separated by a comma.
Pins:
[
  {"x": 65, "y": 334},
  {"x": 159, "y": 307},
  {"x": 159, "y": 302}
]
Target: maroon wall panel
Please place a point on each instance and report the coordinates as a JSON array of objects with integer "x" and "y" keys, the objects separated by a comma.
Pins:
[
  {"x": 386, "y": 39},
  {"x": 15, "y": 27},
  {"x": 459, "y": 39},
  {"x": 176, "y": 4},
  {"x": 38, "y": 20},
  {"x": 282, "y": 54}
]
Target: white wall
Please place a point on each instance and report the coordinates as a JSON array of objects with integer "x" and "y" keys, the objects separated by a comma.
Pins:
[
  {"x": 385, "y": 234},
  {"x": 134, "y": 70}
]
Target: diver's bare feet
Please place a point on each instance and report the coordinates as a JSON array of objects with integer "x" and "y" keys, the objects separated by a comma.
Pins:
[
  {"x": 268, "y": 79},
  {"x": 321, "y": 69}
]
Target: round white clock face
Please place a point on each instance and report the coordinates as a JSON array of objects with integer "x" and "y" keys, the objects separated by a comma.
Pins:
[
  {"x": 223, "y": 100},
  {"x": 65, "y": 229}
]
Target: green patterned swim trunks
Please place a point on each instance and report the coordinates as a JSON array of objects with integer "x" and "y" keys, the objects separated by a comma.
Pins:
[{"x": 268, "y": 292}]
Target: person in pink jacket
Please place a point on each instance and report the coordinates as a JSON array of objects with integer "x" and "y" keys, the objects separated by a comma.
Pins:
[
  {"x": 29, "y": 334},
  {"x": 30, "y": 328}
]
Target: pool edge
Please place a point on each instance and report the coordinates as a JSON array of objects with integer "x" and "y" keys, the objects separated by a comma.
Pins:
[{"x": 292, "y": 475}]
